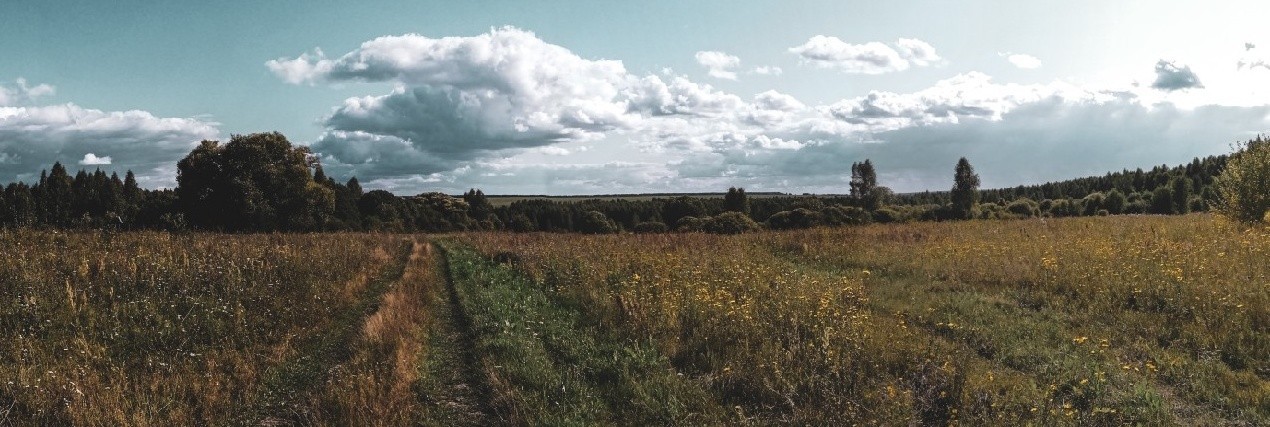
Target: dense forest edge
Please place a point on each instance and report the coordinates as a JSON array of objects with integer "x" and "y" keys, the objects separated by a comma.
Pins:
[{"x": 263, "y": 183}]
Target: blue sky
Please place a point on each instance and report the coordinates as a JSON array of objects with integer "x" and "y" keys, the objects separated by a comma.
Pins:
[{"x": 608, "y": 97}]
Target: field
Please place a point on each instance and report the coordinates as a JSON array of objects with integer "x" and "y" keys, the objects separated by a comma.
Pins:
[
  {"x": 505, "y": 200},
  {"x": 1081, "y": 321}
]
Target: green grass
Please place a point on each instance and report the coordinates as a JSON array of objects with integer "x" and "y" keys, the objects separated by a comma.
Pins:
[{"x": 546, "y": 367}]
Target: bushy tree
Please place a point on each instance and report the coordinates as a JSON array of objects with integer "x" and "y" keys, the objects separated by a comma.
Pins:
[
  {"x": 1245, "y": 184},
  {"x": 794, "y": 219},
  {"x": 730, "y": 223},
  {"x": 479, "y": 207},
  {"x": 1024, "y": 207},
  {"x": 1162, "y": 200},
  {"x": 965, "y": 192},
  {"x": 736, "y": 201},
  {"x": 257, "y": 182},
  {"x": 864, "y": 185},
  {"x": 595, "y": 222},
  {"x": 1115, "y": 202}
]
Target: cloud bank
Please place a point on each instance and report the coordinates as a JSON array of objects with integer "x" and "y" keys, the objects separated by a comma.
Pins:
[
  {"x": 512, "y": 113},
  {"x": 33, "y": 137}
]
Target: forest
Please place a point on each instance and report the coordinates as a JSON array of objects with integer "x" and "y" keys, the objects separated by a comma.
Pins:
[{"x": 263, "y": 183}]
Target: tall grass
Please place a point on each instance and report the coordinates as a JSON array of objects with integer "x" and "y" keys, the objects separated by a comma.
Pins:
[
  {"x": 1081, "y": 321},
  {"x": 163, "y": 329}
]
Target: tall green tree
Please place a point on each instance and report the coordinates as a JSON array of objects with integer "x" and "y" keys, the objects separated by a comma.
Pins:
[
  {"x": 864, "y": 185},
  {"x": 965, "y": 191},
  {"x": 57, "y": 196},
  {"x": 1180, "y": 189},
  {"x": 736, "y": 201},
  {"x": 257, "y": 182},
  {"x": 1115, "y": 202},
  {"x": 478, "y": 205}
]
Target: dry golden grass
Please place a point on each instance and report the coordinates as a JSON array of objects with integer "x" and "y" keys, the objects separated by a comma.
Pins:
[
  {"x": 162, "y": 329},
  {"x": 376, "y": 385},
  {"x": 1151, "y": 320}
]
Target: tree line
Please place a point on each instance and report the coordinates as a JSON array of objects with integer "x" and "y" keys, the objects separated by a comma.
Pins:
[{"x": 263, "y": 183}]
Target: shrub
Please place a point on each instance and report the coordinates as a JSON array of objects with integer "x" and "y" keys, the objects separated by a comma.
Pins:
[
  {"x": 595, "y": 222},
  {"x": 689, "y": 224},
  {"x": 795, "y": 219},
  {"x": 887, "y": 215},
  {"x": 1024, "y": 207},
  {"x": 1244, "y": 185},
  {"x": 651, "y": 227},
  {"x": 730, "y": 223},
  {"x": 845, "y": 215}
]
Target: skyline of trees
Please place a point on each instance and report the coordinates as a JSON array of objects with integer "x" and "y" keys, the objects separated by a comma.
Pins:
[{"x": 261, "y": 182}]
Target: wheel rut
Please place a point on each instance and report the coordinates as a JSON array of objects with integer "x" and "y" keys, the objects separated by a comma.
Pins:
[{"x": 457, "y": 392}]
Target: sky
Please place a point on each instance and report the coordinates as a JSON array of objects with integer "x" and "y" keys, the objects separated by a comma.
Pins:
[{"x": 603, "y": 97}]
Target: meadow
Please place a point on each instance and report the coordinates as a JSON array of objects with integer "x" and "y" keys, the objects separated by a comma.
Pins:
[{"x": 1153, "y": 320}]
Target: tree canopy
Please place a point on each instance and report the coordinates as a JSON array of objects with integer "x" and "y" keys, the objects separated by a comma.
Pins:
[{"x": 256, "y": 182}]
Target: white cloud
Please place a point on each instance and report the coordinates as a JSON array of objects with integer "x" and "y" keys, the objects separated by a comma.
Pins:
[
  {"x": 680, "y": 96},
  {"x": 303, "y": 69},
  {"x": 33, "y": 137},
  {"x": 868, "y": 58},
  {"x": 92, "y": 159},
  {"x": 918, "y": 52},
  {"x": 719, "y": 64},
  {"x": 768, "y": 70},
  {"x": 970, "y": 95},
  {"x": 19, "y": 92},
  {"x": 1023, "y": 61},
  {"x": 552, "y": 150},
  {"x": 463, "y": 99},
  {"x": 487, "y": 111}
]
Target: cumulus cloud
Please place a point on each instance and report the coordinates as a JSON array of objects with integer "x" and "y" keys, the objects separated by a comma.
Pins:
[
  {"x": 462, "y": 99},
  {"x": 1022, "y": 60},
  {"x": 868, "y": 58},
  {"x": 720, "y": 65},
  {"x": 33, "y": 137},
  {"x": 92, "y": 159},
  {"x": 303, "y": 69},
  {"x": 21, "y": 93},
  {"x": 1170, "y": 77}
]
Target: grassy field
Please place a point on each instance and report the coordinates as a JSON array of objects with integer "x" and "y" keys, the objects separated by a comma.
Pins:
[
  {"x": 1151, "y": 320},
  {"x": 504, "y": 200},
  {"x": 1083, "y": 321}
]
